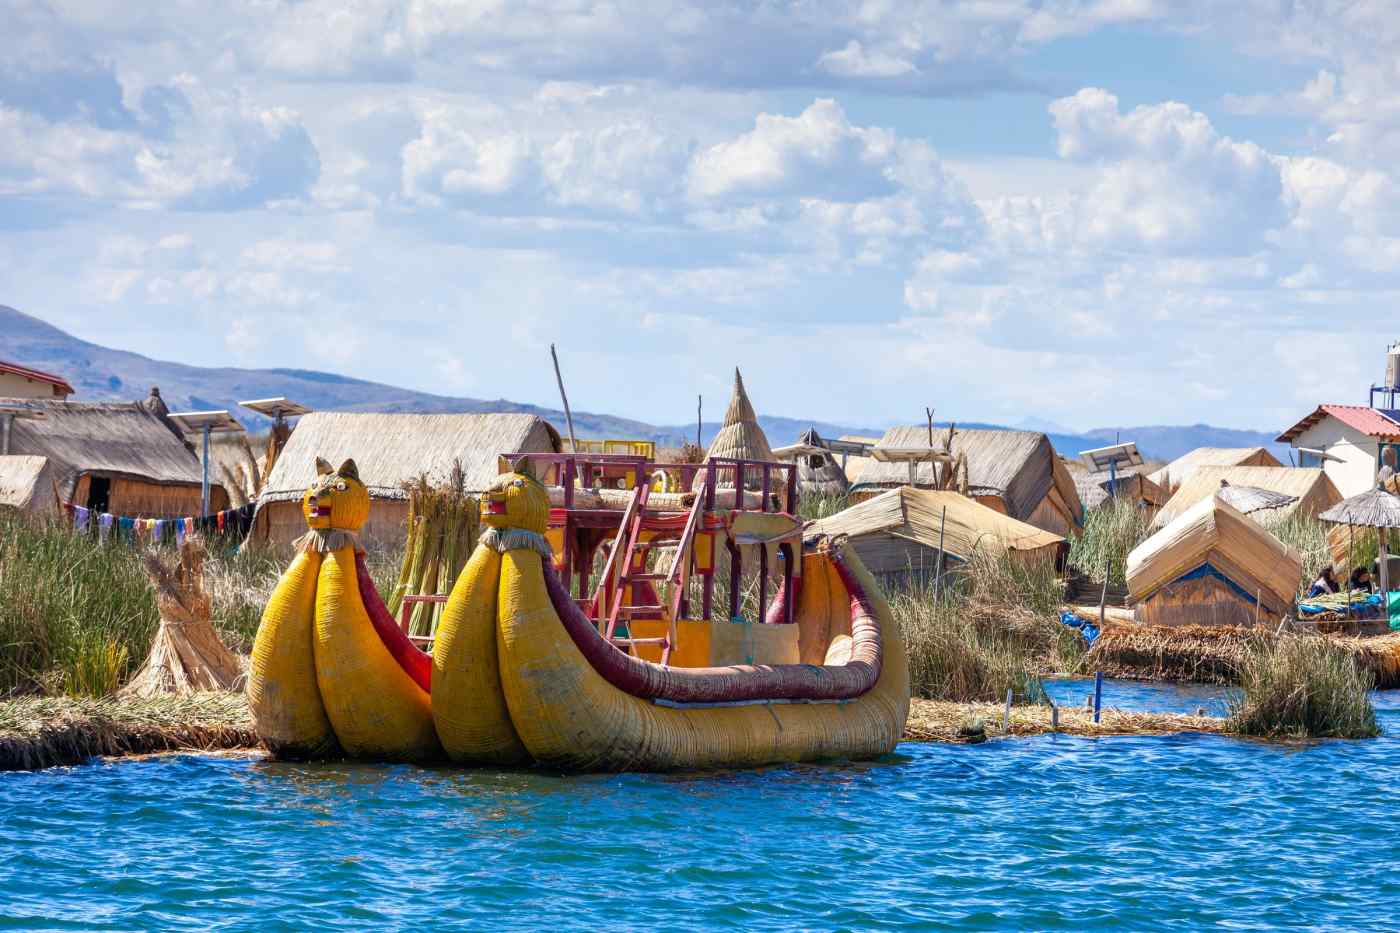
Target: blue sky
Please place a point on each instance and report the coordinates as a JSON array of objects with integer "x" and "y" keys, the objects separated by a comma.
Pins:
[{"x": 1091, "y": 212}]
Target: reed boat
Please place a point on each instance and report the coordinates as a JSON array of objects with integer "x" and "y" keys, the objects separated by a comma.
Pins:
[{"x": 642, "y": 672}]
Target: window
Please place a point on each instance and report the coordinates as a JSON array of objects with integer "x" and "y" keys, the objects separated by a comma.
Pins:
[{"x": 816, "y": 461}]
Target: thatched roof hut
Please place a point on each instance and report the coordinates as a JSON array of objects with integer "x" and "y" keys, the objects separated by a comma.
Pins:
[
  {"x": 1212, "y": 566},
  {"x": 819, "y": 472},
  {"x": 1306, "y": 491},
  {"x": 391, "y": 450},
  {"x": 1179, "y": 470},
  {"x": 117, "y": 457},
  {"x": 1015, "y": 472},
  {"x": 897, "y": 532},
  {"x": 740, "y": 436},
  {"x": 1132, "y": 485}
]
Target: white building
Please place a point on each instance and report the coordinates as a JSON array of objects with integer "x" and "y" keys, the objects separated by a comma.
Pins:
[
  {"x": 18, "y": 381},
  {"x": 1353, "y": 438}
]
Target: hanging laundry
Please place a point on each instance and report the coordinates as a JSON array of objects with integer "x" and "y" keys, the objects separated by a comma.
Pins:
[
  {"x": 104, "y": 526},
  {"x": 80, "y": 518}
]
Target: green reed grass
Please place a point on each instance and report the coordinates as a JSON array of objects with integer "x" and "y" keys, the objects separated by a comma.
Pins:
[
  {"x": 1110, "y": 533},
  {"x": 1302, "y": 687},
  {"x": 814, "y": 506},
  {"x": 70, "y": 605}
]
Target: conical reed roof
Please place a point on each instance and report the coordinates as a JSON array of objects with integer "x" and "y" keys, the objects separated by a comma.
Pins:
[
  {"x": 740, "y": 436},
  {"x": 1374, "y": 508}
]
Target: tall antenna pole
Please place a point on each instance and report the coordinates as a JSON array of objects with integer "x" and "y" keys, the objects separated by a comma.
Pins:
[{"x": 568, "y": 415}]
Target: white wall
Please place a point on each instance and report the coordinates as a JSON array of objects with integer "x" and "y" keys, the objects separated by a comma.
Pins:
[
  {"x": 1357, "y": 471},
  {"x": 14, "y": 386}
]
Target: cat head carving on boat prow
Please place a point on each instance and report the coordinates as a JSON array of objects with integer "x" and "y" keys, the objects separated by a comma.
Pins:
[
  {"x": 516, "y": 500},
  {"x": 336, "y": 498}
]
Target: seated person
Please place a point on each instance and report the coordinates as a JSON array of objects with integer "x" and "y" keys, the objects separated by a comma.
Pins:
[
  {"x": 1361, "y": 580},
  {"x": 1325, "y": 584}
]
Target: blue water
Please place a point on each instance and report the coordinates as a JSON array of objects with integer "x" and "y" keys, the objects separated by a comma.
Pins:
[
  {"x": 1054, "y": 832},
  {"x": 1143, "y": 697}
]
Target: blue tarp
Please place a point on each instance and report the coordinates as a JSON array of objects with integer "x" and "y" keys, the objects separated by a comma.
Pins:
[{"x": 1088, "y": 629}]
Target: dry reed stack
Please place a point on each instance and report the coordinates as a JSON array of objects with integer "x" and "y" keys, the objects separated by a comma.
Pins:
[
  {"x": 187, "y": 655},
  {"x": 741, "y": 438},
  {"x": 443, "y": 523}
]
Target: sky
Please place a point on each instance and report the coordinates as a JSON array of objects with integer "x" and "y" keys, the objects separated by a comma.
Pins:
[{"x": 1083, "y": 212}]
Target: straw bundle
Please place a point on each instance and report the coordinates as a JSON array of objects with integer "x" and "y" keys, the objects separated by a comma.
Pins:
[
  {"x": 443, "y": 523},
  {"x": 1199, "y": 653},
  {"x": 741, "y": 438},
  {"x": 187, "y": 655}
]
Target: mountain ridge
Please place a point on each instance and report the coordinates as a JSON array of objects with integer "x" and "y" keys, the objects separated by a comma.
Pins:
[{"x": 104, "y": 373}]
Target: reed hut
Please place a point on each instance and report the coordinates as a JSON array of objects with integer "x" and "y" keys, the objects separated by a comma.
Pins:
[
  {"x": 1171, "y": 476},
  {"x": 741, "y": 438},
  {"x": 391, "y": 451},
  {"x": 818, "y": 471},
  {"x": 853, "y": 464},
  {"x": 117, "y": 457},
  {"x": 1014, "y": 472},
  {"x": 897, "y": 533},
  {"x": 26, "y": 484},
  {"x": 1129, "y": 484},
  {"x": 1264, "y": 493},
  {"x": 1212, "y": 566}
]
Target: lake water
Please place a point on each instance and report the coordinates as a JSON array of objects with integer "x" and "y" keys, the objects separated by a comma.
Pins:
[{"x": 1053, "y": 832}]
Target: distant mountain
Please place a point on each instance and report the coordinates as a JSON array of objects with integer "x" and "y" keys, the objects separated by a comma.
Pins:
[
  {"x": 1167, "y": 442},
  {"x": 100, "y": 373}
]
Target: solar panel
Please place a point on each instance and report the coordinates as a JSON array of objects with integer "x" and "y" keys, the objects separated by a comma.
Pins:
[{"x": 1116, "y": 456}]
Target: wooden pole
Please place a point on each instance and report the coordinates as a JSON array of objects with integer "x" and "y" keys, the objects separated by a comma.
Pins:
[
  {"x": 1098, "y": 694},
  {"x": 938, "y": 568},
  {"x": 1006, "y": 714},
  {"x": 1382, "y": 534},
  {"x": 1103, "y": 593},
  {"x": 699, "y": 419},
  {"x": 928, "y": 413},
  {"x": 568, "y": 415}
]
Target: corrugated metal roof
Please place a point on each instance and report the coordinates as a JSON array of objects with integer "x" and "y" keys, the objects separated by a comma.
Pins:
[{"x": 1373, "y": 422}]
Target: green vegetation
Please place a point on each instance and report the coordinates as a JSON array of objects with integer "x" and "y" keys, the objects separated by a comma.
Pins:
[
  {"x": 74, "y": 613},
  {"x": 991, "y": 629},
  {"x": 1308, "y": 536},
  {"x": 811, "y": 507},
  {"x": 77, "y": 614},
  {"x": 1110, "y": 533},
  {"x": 1303, "y": 687}
]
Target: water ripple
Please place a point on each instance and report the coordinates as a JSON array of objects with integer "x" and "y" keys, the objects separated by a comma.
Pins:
[{"x": 1056, "y": 832}]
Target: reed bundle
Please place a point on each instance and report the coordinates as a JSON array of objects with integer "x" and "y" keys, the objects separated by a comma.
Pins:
[
  {"x": 41, "y": 732},
  {"x": 443, "y": 525},
  {"x": 1198, "y": 653}
]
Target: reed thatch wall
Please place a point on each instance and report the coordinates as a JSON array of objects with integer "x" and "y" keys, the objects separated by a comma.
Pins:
[{"x": 1210, "y": 565}]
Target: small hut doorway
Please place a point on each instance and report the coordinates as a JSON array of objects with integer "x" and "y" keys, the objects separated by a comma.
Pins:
[{"x": 99, "y": 493}]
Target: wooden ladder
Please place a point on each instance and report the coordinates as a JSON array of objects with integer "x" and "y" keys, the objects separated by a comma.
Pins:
[{"x": 626, "y": 566}]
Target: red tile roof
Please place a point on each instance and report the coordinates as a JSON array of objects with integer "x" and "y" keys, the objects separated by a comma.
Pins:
[
  {"x": 37, "y": 375},
  {"x": 1372, "y": 422}
]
